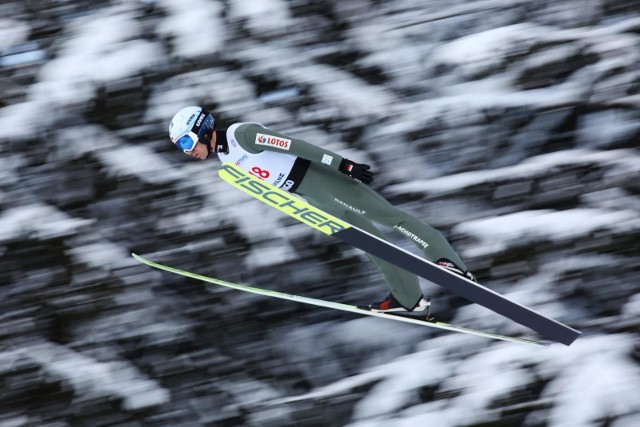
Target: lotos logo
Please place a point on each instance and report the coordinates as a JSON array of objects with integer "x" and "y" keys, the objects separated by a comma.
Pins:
[{"x": 273, "y": 141}]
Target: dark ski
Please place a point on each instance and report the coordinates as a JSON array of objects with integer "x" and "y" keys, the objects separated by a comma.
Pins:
[{"x": 330, "y": 225}]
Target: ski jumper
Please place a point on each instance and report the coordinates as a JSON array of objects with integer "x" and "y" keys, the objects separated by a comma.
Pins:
[{"x": 312, "y": 172}]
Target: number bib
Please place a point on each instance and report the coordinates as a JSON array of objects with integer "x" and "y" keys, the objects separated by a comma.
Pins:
[{"x": 271, "y": 167}]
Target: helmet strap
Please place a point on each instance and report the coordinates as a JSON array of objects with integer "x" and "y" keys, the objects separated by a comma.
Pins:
[{"x": 196, "y": 127}]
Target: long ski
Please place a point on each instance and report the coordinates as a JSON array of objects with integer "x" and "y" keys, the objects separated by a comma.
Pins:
[
  {"x": 339, "y": 306},
  {"x": 332, "y": 226}
]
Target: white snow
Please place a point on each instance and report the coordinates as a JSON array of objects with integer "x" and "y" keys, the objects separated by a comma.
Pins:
[
  {"x": 353, "y": 97},
  {"x": 482, "y": 49},
  {"x": 16, "y": 120},
  {"x": 39, "y": 221},
  {"x": 102, "y": 47},
  {"x": 101, "y": 255},
  {"x": 631, "y": 310},
  {"x": 90, "y": 378},
  {"x": 494, "y": 234},
  {"x": 12, "y": 32},
  {"x": 604, "y": 382},
  {"x": 531, "y": 167},
  {"x": 139, "y": 161},
  {"x": 594, "y": 377},
  {"x": 263, "y": 15},
  {"x": 606, "y": 127},
  {"x": 195, "y": 25}
]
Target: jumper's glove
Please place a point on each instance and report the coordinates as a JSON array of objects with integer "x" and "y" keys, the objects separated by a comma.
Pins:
[{"x": 357, "y": 171}]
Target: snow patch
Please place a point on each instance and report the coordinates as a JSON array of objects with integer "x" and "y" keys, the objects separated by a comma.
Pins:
[
  {"x": 103, "y": 47},
  {"x": 38, "y": 221},
  {"x": 89, "y": 377},
  {"x": 12, "y": 32},
  {"x": 196, "y": 27},
  {"x": 141, "y": 162},
  {"x": 624, "y": 160},
  {"x": 545, "y": 224},
  {"x": 262, "y": 15},
  {"x": 100, "y": 255}
]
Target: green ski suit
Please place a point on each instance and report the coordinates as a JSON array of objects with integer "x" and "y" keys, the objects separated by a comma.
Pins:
[{"x": 316, "y": 177}]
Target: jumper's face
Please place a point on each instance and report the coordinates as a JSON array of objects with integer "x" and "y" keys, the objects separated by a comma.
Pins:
[{"x": 200, "y": 151}]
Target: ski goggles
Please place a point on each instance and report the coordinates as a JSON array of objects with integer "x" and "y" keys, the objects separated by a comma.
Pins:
[{"x": 202, "y": 130}]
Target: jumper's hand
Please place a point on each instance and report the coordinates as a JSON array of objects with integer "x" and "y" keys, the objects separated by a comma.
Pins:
[{"x": 357, "y": 171}]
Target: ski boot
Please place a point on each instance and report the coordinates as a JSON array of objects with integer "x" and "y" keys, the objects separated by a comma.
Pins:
[{"x": 443, "y": 262}]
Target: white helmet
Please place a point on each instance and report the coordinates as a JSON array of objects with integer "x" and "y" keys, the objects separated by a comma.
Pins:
[{"x": 190, "y": 125}]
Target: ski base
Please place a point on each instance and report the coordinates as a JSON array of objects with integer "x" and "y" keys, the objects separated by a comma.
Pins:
[{"x": 342, "y": 307}]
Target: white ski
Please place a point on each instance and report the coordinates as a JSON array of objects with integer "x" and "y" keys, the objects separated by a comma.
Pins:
[{"x": 339, "y": 306}]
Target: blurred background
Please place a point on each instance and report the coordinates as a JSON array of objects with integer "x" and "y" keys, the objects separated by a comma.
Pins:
[{"x": 511, "y": 126}]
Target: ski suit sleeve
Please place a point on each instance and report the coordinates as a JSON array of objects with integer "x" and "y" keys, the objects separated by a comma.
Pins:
[{"x": 255, "y": 139}]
